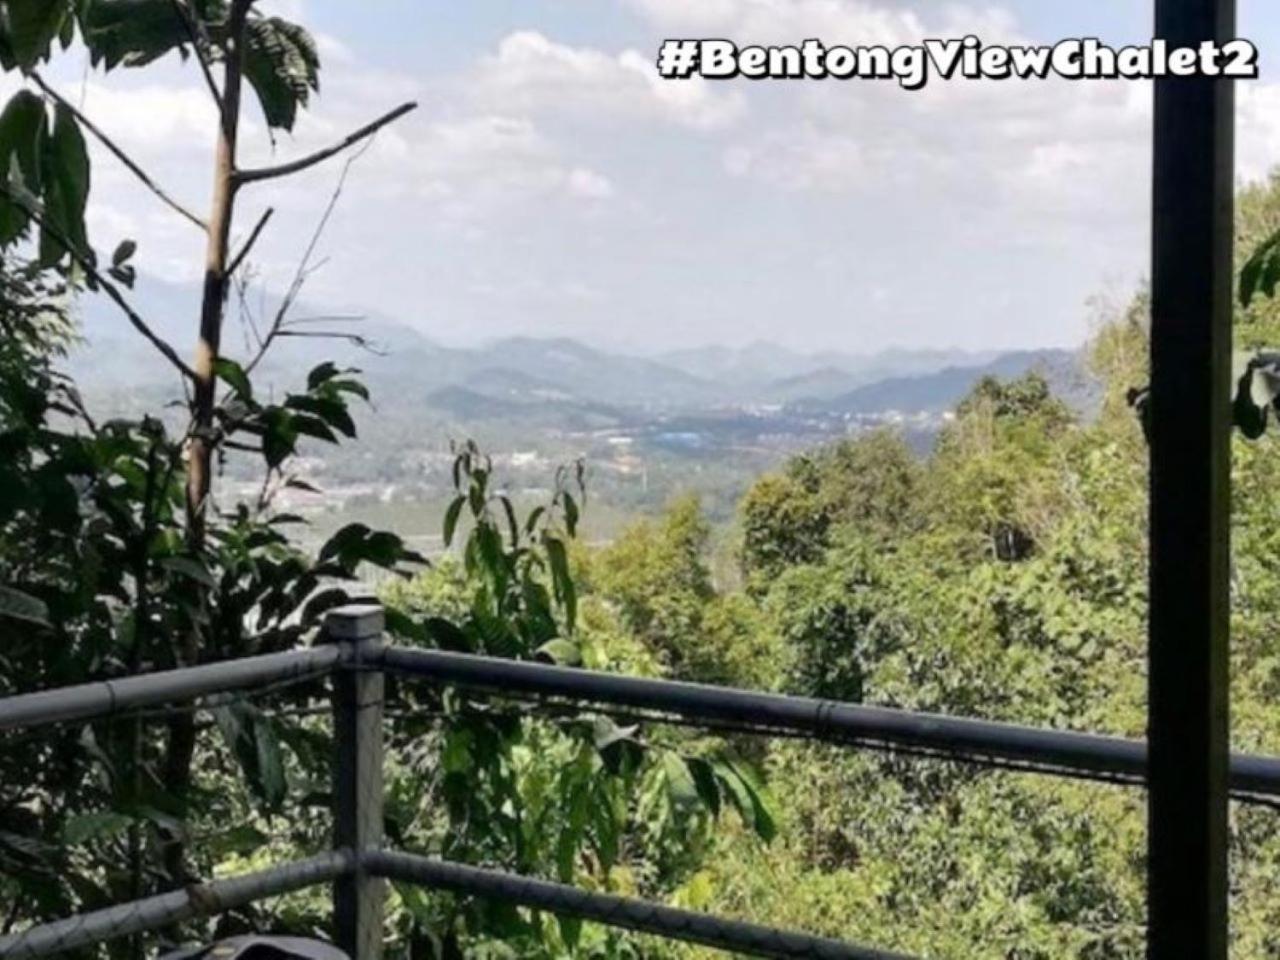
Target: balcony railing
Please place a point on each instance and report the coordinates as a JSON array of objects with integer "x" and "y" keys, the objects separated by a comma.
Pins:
[{"x": 360, "y": 863}]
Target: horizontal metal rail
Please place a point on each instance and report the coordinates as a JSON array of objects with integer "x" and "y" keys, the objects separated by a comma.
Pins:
[
  {"x": 154, "y": 913},
  {"x": 1080, "y": 755},
  {"x": 105, "y": 697},
  {"x": 639, "y": 915}
]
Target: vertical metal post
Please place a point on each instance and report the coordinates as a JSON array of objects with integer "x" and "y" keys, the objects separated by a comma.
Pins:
[
  {"x": 1191, "y": 302},
  {"x": 357, "y": 778}
]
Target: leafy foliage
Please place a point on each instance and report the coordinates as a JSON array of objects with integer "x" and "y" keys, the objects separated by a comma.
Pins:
[
  {"x": 580, "y": 798},
  {"x": 282, "y": 64},
  {"x": 97, "y": 580},
  {"x": 44, "y": 162}
]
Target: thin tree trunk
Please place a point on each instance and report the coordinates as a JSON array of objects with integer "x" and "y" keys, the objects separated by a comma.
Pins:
[{"x": 181, "y": 747}]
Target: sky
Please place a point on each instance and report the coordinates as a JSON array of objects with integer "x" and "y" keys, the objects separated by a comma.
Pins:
[{"x": 551, "y": 184}]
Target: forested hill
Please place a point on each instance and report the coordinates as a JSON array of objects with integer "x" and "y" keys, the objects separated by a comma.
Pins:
[{"x": 942, "y": 389}]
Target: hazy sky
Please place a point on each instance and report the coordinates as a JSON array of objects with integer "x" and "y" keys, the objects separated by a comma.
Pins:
[{"x": 552, "y": 184}]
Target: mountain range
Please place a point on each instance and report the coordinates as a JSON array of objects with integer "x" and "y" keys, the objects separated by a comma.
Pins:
[{"x": 549, "y": 379}]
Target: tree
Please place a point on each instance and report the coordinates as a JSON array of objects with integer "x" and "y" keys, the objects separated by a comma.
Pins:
[
  {"x": 136, "y": 562},
  {"x": 868, "y": 486},
  {"x": 783, "y": 523},
  {"x": 657, "y": 576}
]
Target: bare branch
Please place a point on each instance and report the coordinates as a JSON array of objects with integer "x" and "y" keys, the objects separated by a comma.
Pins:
[
  {"x": 302, "y": 163},
  {"x": 327, "y": 318},
  {"x": 305, "y": 267},
  {"x": 108, "y": 287},
  {"x": 189, "y": 25},
  {"x": 120, "y": 155},
  {"x": 248, "y": 244},
  {"x": 354, "y": 339}
]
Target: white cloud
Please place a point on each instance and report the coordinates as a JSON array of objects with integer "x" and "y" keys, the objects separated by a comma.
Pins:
[
  {"x": 801, "y": 159},
  {"x": 785, "y": 21},
  {"x": 489, "y": 165},
  {"x": 533, "y": 74},
  {"x": 588, "y": 184},
  {"x": 1257, "y": 129}
]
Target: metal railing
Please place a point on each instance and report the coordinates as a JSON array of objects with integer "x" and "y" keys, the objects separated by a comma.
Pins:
[{"x": 359, "y": 864}]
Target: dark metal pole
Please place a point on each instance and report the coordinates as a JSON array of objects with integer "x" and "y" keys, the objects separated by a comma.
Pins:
[
  {"x": 105, "y": 697},
  {"x": 357, "y": 775},
  {"x": 1060, "y": 752},
  {"x": 1191, "y": 279},
  {"x": 644, "y": 916},
  {"x": 154, "y": 913}
]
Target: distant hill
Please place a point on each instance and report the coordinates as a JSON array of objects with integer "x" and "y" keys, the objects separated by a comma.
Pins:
[
  {"x": 554, "y": 382},
  {"x": 942, "y": 390},
  {"x": 814, "y": 384},
  {"x": 762, "y": 362}
]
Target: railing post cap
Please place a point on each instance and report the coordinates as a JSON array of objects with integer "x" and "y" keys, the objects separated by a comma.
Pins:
[{"x": 355, "y": 621}]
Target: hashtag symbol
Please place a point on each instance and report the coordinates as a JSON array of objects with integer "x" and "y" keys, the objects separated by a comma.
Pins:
[{"x": 678, "y": 59}]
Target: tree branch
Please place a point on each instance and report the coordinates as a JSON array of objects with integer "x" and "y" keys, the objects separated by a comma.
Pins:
[
  {"x": 184, "y": 15},
  {"x": 248, "y": 244},
  {"x": 304, "y": 266},
  {"x": 302, "y": 163},
  {"x": 120, "y": 155},
  {"x": 108, "y": 287}
]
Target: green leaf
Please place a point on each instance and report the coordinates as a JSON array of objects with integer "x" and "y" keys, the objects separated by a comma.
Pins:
[
  {"x": 30, "y": 27},
  {"x": 569, "y": 843},
  {"x": 704, "y": 779},
  {"x": 332, "y": 410},
  {"x": 561, "y": 651},
  {"x": 354, "y": 387},
  {"x": 233, "y": 375},
  {"x": 417, "y": 902},
  {"x": 748, "y": 797},
  {"x": 570, "y": 514},
  {"x": 65, "y": 173},
  {"x": 16, "y": 605},
  {"x": 191, "y": 569},
  {"x": 308, "y": 425},
  {"x": 131, "y": 33},
  {"x": 561, "y": 579},
  {"x": 1261, "y": 272},
  {"x": 22, "y": 130},
  {"x": 451, "y": 518},
  {"x": 272, "y": 786},
  {"x": 606, "y": 825},
  {"x": 570, "y": 931},
  {"x": 101, "y": 825},
  {"x": 456, "y": 756},
  {"x": 446, "y": 635},
  {"x": 282, "y": 65},
  {"x": 125, "y": 274},
  {"x": 239, "y": 840},
  {"x": 513, "y": 528},
  {"x": 279, "y": 435},
  {"x": 345, "y": 542},
  {"x": 321, "y": 374},
  {"x": 124, "y": 252},
  {"x": 680, "y": 785},
  {"x": 534, "y": 516},
  {"x": 255, "y": 743}
]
